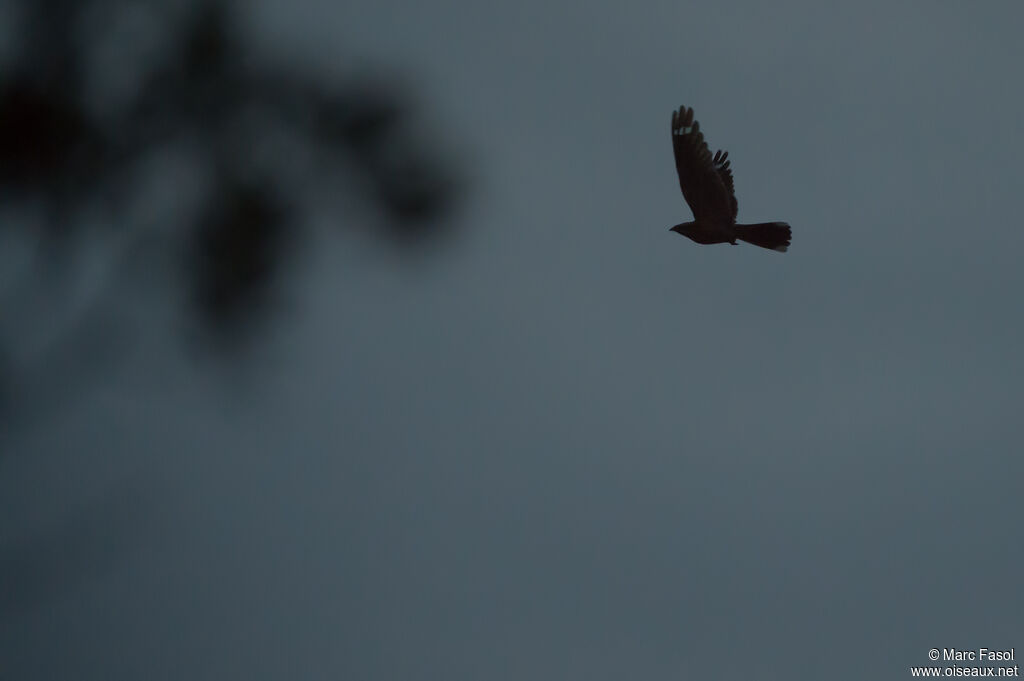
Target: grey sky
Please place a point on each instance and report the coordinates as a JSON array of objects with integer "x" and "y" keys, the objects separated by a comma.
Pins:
[{"x": 576, "y": 445}]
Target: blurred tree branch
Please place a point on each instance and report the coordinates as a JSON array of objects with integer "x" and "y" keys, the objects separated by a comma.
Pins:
[{"x": 254, "y": 135}]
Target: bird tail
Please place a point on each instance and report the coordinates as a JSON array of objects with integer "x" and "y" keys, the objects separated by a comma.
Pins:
[{"x": 773, "y": 235}]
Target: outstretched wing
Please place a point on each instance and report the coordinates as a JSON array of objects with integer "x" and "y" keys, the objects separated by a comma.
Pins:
[
  {"x": 706, "y": 186},
  {"x": 721, "y": 162}
]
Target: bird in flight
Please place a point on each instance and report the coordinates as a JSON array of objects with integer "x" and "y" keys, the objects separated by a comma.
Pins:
[{"x": 706, "y": 182}]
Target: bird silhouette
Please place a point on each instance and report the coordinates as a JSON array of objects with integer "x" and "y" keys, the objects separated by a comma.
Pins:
[{"x": 707, "y": 186}]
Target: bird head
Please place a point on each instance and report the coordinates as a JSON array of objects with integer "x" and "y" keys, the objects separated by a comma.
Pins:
[{"x": 684, "y": 228}]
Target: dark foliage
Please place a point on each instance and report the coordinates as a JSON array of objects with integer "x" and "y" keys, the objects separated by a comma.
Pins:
[
  {"x": 235, "y": 250},
  {"x": 209, "y": 97},
  {"x": 75, "y": 169}
]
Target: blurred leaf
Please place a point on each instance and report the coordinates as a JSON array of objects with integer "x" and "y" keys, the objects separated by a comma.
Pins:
[
  {"x": 236, "y": 254},
  {"x": 41, "y": 132}
]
